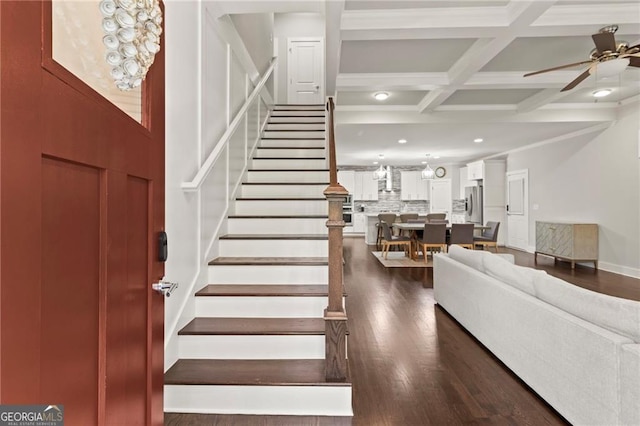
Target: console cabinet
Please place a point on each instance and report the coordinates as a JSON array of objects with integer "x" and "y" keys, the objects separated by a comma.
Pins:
[{"x": 574, "y": 242}]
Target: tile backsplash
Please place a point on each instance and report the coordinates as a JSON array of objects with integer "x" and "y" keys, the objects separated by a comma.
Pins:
[{"x": 390, "y": 200}]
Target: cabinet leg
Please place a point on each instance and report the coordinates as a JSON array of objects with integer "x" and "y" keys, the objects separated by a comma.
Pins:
[
  {"x": 595, "y": 264},
  {"x": 535, "y": 257},
  {"x": 573, "y": 265}
]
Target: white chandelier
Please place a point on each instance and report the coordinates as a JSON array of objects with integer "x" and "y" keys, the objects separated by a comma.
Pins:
[{"x": 132, "y": 38}]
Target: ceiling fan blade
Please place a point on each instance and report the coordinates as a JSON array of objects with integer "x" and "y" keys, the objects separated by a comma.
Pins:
[
  {"x": 577, "y": 81},
  {"x": 634, "y": 61},
  {"x": 558, "y": 68},
  {"x": 604, "y": 42}
]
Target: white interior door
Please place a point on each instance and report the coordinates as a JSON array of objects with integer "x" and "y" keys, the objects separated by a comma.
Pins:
[
  {"x": 305, "y": 69},
  {"x": 518, "y": 209},
  {"x": 440, "y": 200}
]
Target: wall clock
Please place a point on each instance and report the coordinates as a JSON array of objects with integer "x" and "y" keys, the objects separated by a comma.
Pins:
[{"x": 440, "y": 172}]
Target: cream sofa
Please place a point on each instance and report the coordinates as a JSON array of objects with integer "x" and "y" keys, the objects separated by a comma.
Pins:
[{"x": 578, "y": 349}]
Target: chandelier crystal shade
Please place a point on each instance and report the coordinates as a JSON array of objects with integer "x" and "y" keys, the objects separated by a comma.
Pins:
[
  {"x": 380, "y": 174},
  {"x": 132, "y": 38}
]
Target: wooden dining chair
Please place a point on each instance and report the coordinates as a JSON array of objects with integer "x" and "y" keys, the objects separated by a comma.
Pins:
[
  {"x": 434, "y": 236},
  {"x": 405, "y": 218},
  {"x": 489, "y": 237},
  {"x": 394, "y": 240},
  {"x": 462, "y": 235}
]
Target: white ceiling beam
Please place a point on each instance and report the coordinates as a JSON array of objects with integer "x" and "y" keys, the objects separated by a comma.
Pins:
[
  {"x": 590, "y": 14},
  {"x": 597, "y": 115},
  {"x": 424, "y": 18},
  {"x": 390, "y": 81},
  {"x": 541, "y": 98},
  {"x": 521, "y": 15},
  {"x": 261, "y": 6}
]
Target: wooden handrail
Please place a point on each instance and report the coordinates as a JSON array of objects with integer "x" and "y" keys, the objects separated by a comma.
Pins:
[
  {"x": 335, "y": 316},
  {"x": 195, "y": 184}
]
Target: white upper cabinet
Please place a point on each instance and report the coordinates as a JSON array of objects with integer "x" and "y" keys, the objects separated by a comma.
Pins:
[
  {"x": 366, "y": 187},
  {"x": 475, "y": 171},
  {"x": 413, "y": 187},
  {"x": 347, "y": 178}
]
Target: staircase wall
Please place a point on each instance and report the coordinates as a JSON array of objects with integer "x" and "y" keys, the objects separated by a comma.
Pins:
[{"x": 198, "y": 111}]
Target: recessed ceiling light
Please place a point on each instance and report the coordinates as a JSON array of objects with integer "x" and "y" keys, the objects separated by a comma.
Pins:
[
  {"x": 423, "y": 162},
  {"x": 436, "y": 157},
  {"x": 375, "y": 162},
  {"x": 478, "y": 140},
  {"x": 381, "y": 96},
  {"x": 601, "y": 93},
  {"x": 402, "y": 141}
]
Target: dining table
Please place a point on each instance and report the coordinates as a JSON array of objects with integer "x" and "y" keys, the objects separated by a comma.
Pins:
[{"x": 419, "y": 226}]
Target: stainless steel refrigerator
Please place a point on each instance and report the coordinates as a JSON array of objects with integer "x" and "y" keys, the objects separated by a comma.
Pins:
[{"x": 473, "y": 204}]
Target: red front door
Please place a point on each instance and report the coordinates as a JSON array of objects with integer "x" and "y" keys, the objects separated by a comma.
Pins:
[{"x": 81, "y": 204}]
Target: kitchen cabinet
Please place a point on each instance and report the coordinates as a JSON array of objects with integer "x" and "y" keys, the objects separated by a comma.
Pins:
[
  {"x": 574, "y": 242},
  {"x": 412, "y": 186},
  {"x": 359, "y": 223},
  {"x": 365, "y": 187},
  {"x": 347, "y": 178},
  {"x": 475, "y": 170}
]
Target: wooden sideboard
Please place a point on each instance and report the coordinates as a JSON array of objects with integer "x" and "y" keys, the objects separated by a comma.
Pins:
[{"x": 573, "y": 242}]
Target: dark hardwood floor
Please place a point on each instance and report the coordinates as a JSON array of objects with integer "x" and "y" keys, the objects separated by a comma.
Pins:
[{"x": 413, "y": 364}]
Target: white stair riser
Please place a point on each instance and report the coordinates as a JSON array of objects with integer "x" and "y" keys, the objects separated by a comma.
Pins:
[
  {"x": 297, "y": 176},
  {"x": 294, "y": 163},
  {"x": 274, "y": 248},
  {"x": 275, "y": 120},
  {"x": 292, "y": 143},
  {"x": 297, "y": 153},
  {"x": 315, "y": 191},
  {"x": 295, "y": 107},
  {"x": 252, "y": 347},
  {"x": 296, "y": 113},
  {"x": 281, "y": 207},
  {"x": 268, "y": 274},
  {"x": 283, "y": 226},
  {"x": 260, "y": 307},
  {"x": 296, "y": 126},
  {"x": 266, "y": 400},
  {"x": 293, "y": 134}
]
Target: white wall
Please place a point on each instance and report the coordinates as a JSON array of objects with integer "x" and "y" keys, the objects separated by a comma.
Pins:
[
  {"x": 592, "y": 179},
  {"x": 287, "y": 25},
  {"x": 205, "y": 86}
]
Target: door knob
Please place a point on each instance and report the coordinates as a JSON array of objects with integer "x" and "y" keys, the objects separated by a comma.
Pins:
[{"x": 164, "y": 287}]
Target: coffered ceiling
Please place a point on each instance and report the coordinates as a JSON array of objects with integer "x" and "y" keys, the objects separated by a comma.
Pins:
[{"x": 454, "y": 72}]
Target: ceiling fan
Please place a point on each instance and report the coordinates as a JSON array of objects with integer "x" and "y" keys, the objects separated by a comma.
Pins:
[{"x": 607, "y": 59}]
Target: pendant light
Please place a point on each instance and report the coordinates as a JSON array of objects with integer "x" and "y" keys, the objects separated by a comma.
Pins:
[{"x": 428, "y": 172}]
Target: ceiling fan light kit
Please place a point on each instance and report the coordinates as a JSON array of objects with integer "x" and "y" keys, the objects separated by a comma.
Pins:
[{"x": 607, "y": 59}]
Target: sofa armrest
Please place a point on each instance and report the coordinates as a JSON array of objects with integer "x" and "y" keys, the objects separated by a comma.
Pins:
[{"x": 630, "y": 384}]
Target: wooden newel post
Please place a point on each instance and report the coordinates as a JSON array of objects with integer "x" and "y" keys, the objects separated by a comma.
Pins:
[{"x": 335, "y": 315}]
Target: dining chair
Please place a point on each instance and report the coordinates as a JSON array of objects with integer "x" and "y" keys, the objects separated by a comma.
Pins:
[
  {"x": 383, "y": 217},
  {"x": 462, "y": 235},
  {"x": 394, "y": 240},
  {"x": 437, "y": 216},
  {"x": 489, "y": 237},
  {"x": 417, "y": 234},
  {"x": 434, "y": 236}
]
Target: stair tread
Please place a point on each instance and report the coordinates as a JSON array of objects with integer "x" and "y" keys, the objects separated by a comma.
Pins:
[
  {"x": 279, "y": 216},
  {"x": 290, "y": 147},
  {"x": 301, "y": 139},
  {"x": 285, "y": 183},
  {"x": 254, "y": 326},
  {"x": 279, "y": 199},
  {"x": 291, "y": 261},
  {"x": 258, "y": 372},
  {"x": 288, "y": 170},
  {"x": 274, "y": 237},
  {"x": 294, "y": 122},
  {"x": 289, "y": 158},
  {"x": 265, "y": 290}
]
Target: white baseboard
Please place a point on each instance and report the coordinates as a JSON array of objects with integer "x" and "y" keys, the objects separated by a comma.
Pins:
[{"x": 619, "y": 269}]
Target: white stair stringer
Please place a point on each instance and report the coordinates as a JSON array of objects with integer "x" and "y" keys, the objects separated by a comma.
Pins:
[
  {"x": 332, "y": 400},
  {"x": 282, "y": 196}
]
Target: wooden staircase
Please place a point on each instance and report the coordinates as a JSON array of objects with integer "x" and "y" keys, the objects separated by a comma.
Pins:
[{"x": 257, "y": 342}]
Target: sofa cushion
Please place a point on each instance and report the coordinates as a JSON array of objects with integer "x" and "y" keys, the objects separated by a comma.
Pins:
[
  {"x": 516, "y": 276},
  {"x": 472, "y": 258},
  {"x": 619, "y": 315}
]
